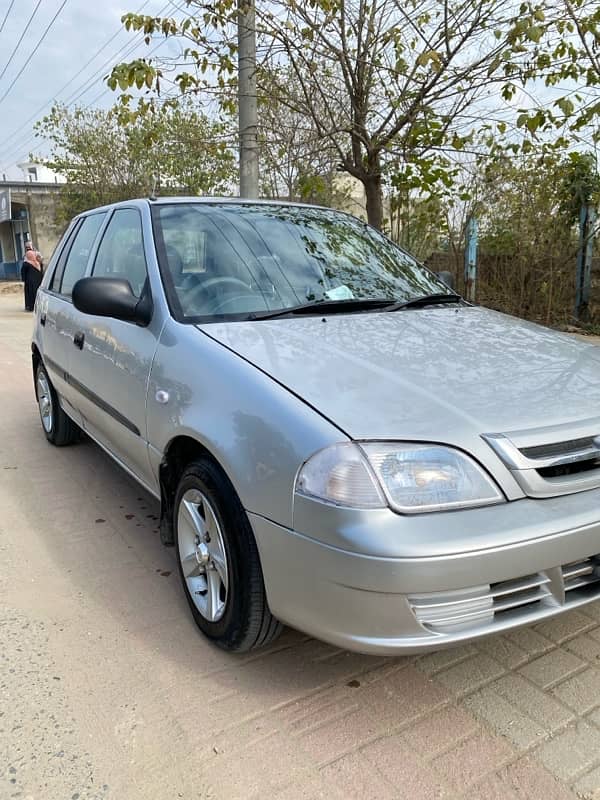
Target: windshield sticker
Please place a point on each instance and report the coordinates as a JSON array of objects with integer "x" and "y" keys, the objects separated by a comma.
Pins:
[{"x": 339, "y": 293}]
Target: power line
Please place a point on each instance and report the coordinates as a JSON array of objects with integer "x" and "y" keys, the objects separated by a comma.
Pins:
[
  {"x": 12, "y": 2},
  {"x": 106, "y": 90},
  {"x": 74, "y": 96},
  {"x": 33, "y": 52},
  {"x": 100, "y": 50},
  {"x": 13, "y": 152},
  {"x": 68, "y": 83},
  {"x": 81, "y": 90},
  {"x": 18, "y": 44}
]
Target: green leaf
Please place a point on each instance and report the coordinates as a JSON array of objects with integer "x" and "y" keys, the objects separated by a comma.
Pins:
[
  {"x": 565, "y": 105},
  {"x": 522, "y": 120}
]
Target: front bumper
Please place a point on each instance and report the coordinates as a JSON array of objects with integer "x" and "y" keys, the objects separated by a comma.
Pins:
[{"x": 402, "y": 604}]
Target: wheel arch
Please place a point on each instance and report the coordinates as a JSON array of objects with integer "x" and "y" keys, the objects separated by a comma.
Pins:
[
  {"x": 179, "y": 452},
  {"x": 36, "y": 359}
]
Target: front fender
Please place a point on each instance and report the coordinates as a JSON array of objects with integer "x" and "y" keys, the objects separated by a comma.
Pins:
[{"x": 258, "y": 431}]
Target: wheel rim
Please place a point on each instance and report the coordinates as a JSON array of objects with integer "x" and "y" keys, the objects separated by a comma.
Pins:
[
  {"x": 44, "y": 401},
  {"x": 202, "y": 555}
]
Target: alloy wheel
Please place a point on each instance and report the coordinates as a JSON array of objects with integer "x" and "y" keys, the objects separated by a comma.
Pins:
[
  {"x": 45, "y": 401},
  {"x": 202, "y": 555}
]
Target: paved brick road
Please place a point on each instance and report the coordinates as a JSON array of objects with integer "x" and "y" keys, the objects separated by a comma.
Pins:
[{"x": 107, "y": 691}]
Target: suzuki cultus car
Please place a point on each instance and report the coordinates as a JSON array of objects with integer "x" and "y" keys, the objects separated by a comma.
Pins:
[{"x": 339, "y": 442}]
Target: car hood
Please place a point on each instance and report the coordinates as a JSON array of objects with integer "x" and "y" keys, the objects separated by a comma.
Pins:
[{"x": 434, "y": 374}]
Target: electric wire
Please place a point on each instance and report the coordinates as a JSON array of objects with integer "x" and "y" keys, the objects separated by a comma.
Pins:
[
  {"x": 18, "y": 44},
  {"x": 128, "y": 47},
  {"x": 13, "y": 152},
  {"x": 6, "y": 16},
  {"x": 33, "y": 52},
  {"x": 81, "y": 90},
  {"x": 68, "y": 83}
]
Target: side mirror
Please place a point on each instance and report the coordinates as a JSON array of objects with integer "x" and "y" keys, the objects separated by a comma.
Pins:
[
  {"x": 111, "y": 297},
  {"x": 447, "y": 277}
]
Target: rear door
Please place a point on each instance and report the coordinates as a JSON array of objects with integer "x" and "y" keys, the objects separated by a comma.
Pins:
[
  {"x": 56, "y": 311},
  {"x": 111, "y": 370}
]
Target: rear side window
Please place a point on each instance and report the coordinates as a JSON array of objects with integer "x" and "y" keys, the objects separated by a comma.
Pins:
[{"x": 79, "y": 252}]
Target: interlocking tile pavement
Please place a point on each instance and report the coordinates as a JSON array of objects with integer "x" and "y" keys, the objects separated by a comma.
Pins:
[
  {"x": 573, "y": 751},
  {"x": 505, "y": 718}
]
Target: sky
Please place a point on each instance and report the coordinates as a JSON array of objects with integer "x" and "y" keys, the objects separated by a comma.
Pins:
[{"x": 79, "y": 31}]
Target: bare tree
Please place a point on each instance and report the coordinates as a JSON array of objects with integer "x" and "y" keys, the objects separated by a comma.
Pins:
[{"x": 376, "y": 80}]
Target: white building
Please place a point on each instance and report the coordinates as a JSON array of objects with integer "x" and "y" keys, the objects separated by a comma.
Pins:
[{"x": 38, "y": 173}]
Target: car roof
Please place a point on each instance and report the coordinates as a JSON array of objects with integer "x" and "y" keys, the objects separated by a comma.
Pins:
[{"x": 236, "y": 201}]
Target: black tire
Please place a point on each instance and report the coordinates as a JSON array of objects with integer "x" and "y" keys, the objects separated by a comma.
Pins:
[
  {"x": 247, "y": 622},
  {"x": 61, "y": 430}
]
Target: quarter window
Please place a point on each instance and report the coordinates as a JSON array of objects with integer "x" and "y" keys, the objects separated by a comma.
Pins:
[
  {"x": 79, "y": 252},
  {"x": 58, "y": 260},
  {"x": 121, "y": 251}
]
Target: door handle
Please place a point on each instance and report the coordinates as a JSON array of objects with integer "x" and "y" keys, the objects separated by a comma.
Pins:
[
  {"x": 78, "y": 339},
  {"x": 43, "y": 318}
]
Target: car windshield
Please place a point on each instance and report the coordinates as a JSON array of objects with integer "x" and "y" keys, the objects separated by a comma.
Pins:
[{"x": 241, "y": 261}]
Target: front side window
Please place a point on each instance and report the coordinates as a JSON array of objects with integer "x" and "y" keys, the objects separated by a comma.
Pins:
[
  {"x": 79, "y": 252},
  {"x": 121, "y": 251},
  {"x": 238, "y": 261}
]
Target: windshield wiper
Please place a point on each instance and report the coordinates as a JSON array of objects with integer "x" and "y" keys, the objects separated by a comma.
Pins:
[
  {"x": 320, "y": 306},
  {"x": 426, "y": 300},
  {"x": 354, "y": 304}
]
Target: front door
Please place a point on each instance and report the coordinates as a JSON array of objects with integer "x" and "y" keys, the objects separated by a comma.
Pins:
[{"x": 112, "y": 368}]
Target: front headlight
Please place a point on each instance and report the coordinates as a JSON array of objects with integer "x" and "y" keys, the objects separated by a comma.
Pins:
[{"x": 410, "y": 478}]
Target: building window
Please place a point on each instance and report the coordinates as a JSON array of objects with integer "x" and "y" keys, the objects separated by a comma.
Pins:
[{"x": 32, "y": 172}]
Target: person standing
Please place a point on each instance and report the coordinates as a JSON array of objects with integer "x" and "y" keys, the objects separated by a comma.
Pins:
[{"x": 31, "y": 274}]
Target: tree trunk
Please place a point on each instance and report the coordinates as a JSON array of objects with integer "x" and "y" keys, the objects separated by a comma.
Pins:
[{"x": 374, "y": 197}]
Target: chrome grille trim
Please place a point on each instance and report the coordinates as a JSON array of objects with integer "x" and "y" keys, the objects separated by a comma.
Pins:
[
  {"x": 581, "y": 573},
  {"x": 575, "y": 570},
  {"x": 491, "y": 604},
  {"x": 517, "y": 458},
  {"x": 519, "y": 585},
  {"x": 558, "y": 448},
  {"x": 525, "y": 462}
]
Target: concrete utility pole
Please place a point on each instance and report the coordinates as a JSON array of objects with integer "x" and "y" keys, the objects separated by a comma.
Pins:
[{"x": 247, "y": 99}]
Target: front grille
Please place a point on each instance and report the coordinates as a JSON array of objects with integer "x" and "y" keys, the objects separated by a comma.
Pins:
[
  {"x": 582, "y": 575},
  {"x": 490, "y": 604},
  {"x": 479, "y": 605},
  {"x": 520, "y": 592},
  {"x": 558, "y": 448},
  {"x": 554, "y": 468},
  {"x": 575, "y": 468}
]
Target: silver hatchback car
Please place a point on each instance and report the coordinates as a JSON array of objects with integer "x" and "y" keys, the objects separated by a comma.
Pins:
[{"x": 338, "y": 441}]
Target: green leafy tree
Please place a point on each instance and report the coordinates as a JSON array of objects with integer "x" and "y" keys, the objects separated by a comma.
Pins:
[
  {"x": 579, "y": 184},
  {"x": 107, "y": 157},
  {"x": 566, "y": 60}
]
